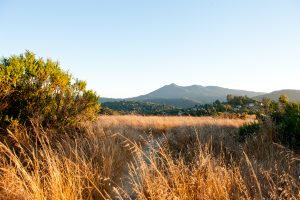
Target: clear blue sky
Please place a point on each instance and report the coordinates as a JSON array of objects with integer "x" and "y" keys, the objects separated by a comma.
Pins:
[{"x": 130, "y": 47}]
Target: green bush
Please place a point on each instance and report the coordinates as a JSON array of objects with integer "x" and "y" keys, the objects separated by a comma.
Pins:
[
  {"x": 33, "y": 88},
  {"x": 248, "y": 130},
  {"x": 288, "y": 125}
]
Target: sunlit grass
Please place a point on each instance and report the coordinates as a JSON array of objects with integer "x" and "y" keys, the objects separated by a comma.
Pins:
[{"x": 123, "y": 157}]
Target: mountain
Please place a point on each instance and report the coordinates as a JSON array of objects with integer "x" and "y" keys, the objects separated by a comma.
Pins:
[
  {"x": 189, "y": 96},
  {"x": 293, "y": 95},
  {"x": 197, "y": 93},
  {"x": 186, "y": 96}
]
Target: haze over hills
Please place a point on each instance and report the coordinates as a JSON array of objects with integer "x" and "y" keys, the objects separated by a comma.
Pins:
[
  {"x": 188, "y": 96},
  {"x": 197, "y": 93}
]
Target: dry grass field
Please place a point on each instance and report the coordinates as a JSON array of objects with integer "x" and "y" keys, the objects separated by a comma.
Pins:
[
  {"x": 166, "y": 122},
  {"x": 136, "y": 157}
]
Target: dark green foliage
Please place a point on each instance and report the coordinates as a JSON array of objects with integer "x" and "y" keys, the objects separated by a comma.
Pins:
[
  {"x": 33, "y": 88},
  {"x": 269, "y": 106},
  {"x": 138, "y": 107},
  {"x": 215, "y": 108},
  {"x": 178, "y": 103},
  {"x": 288, "y": 125},
  {"x": 239, "y": 100},
  {"x": 248, "y": 130}
]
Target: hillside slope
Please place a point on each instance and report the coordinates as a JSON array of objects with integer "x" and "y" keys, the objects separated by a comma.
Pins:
[
  {"x": 194, "y": 94},
  {"x": 293, "y": 95},
  {"x": 186, "y": 96}
]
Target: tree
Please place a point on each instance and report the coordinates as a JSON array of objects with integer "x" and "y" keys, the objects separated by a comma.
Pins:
[
  {"x": 283, "y": 99},
  {"x": 31, "y": 87},
  {"x": 288, "y": 125},
  {"x": 266, "y": 102},
  {"x": 217, "y": 102},
  {"x": 227, "y": 107},
  {"x": 229, "y": 98}
]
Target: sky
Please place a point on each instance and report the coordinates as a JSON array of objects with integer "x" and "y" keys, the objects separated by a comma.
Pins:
[{"x": 125, "y": 48}]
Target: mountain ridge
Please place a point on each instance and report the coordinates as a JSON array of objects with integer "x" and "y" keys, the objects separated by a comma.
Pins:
[
  {"x": 205, "y": 94},
  {"x": 293, "y": 95},
  {"x": 187, "y": 96}
]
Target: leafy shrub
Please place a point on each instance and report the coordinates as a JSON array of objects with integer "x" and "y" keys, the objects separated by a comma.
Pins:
[
  {"x": 248, "y": 130},
  {"x": 288, "y": 125},
  {"x": 31, "y": 87}
]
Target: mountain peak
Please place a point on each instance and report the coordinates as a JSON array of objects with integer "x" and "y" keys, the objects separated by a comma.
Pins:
[
  {"x": 173, "y": 85},
  {"x": 188, "y": 96},
  {"x": 197, "y": 93}
]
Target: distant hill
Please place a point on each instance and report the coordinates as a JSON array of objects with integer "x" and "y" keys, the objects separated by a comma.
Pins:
[
  {"x": 187, "y": 96},
  {"x": 293, "y": 95}
]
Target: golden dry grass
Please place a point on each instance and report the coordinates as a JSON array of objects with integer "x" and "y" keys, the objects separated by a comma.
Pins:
[
  {"x": 165, "y": 122},
  {"x": 128, "y": 157},
  {"x": 208, "y": 162},
  {"x": 69, "y": 166}
]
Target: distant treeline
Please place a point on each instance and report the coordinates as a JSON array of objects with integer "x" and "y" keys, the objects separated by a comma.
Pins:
[
  {"x": 138, "y": 107},
  {"x": 234, "y": 104}
]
